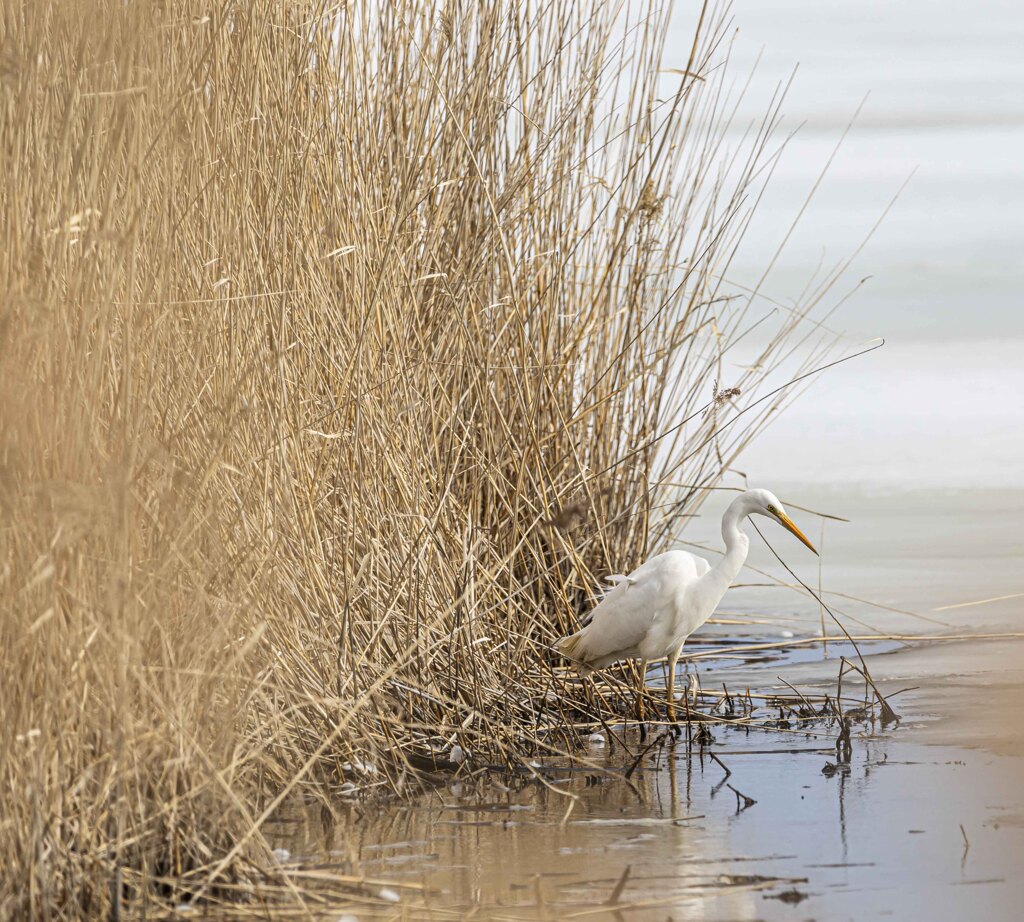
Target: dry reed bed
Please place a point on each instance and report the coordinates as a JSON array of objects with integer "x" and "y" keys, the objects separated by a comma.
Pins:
[{"x": 342, "y": 348}]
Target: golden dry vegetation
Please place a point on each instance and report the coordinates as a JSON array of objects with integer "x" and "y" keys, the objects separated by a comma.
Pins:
[{"x": 343, "y": 348}]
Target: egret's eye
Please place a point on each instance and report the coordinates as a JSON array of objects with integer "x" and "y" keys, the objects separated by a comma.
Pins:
[{"x": 773, "y": 510}]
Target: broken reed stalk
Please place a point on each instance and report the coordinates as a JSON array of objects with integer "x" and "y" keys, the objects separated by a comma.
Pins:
[{"x": 341, "y": 346}]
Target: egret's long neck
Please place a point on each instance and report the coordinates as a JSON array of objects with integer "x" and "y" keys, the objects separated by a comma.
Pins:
[{"x": 720, "y": 577}]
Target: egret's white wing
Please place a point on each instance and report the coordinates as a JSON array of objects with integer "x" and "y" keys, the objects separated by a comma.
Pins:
[
  {"x": 622, "y": 619},
  {"x": 635, "y": 607},
  {"x": 616, "y": 579}
]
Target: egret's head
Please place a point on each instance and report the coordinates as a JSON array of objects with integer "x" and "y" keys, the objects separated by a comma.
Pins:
[{"x": 764, "y": 502}]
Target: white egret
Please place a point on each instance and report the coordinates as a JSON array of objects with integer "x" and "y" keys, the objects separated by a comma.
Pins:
[{"x": 650, "y": 613}]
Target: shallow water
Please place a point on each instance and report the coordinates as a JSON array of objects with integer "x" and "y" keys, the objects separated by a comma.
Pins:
[
  {"x": 883, "y": 839},
  {"x": 879, "y": 839}
]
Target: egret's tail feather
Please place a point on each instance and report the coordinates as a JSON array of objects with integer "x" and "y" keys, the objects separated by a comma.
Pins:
[{"x": 572, "y": 647}]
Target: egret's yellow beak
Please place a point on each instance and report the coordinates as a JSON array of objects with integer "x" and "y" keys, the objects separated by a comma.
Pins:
[{"x": 791, "y": 525}]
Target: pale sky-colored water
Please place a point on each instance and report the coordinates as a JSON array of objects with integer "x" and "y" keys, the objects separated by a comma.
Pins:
[
  {"x": 942, "y": 86},
  {"x": 936, "y": 414}
]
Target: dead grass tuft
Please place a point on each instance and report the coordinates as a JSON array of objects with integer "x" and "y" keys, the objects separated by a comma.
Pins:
[{"x": 342, "y": 348}]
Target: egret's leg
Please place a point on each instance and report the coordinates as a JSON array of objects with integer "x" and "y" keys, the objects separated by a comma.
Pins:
[
  {"x": 640, "y": 689},
  {"x": 670, "y": 709}
]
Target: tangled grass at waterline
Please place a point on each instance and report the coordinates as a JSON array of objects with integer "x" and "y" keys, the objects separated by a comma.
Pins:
[{"x": 342, "y": 350}]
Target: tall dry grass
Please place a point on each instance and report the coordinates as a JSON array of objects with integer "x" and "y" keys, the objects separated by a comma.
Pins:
[{"x": 343, "y": 347}]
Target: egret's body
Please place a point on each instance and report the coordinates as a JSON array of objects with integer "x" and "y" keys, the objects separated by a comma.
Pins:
[{"x": 650, "y": 613}]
